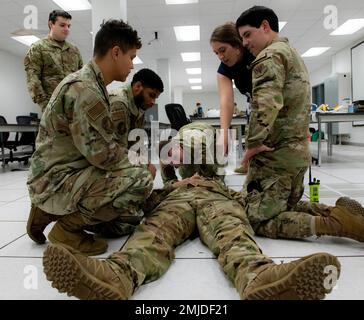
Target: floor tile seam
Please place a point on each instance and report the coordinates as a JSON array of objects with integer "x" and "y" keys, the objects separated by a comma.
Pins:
[
  {"x": 4, "y": 246},
  {"x": 3, "y": 204},
  {"x": 7, "y": 202},
  {"x": 331, "y": 175},
  {"x": 342, "y": 194},
  {"x": 12, "y": 183}
]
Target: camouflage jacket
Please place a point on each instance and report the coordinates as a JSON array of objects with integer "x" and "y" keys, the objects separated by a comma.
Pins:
[
  {"x": 47, "y": 63},
  {"x": 76, "y": 132},
  {"x": 125, "y": 115},
  {"x": 280, "y": 107}
]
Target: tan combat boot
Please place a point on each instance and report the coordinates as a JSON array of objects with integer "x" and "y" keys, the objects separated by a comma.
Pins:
[
  {"x": 69, "y": 230},
  {"x": 308, "y": 278},
  {"x": 86, "y": 278},
  {"x": 346, "y": 219},
  {"x": 241, "y": 170},
  {"x": 38, "y": 220}
]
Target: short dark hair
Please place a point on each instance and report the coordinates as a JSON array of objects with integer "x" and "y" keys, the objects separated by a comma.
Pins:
[
  {"x": 149, "y": 79},
  {"x": 58, "y": 13},
  {"x": 255, "y": 16},
  {"x": 115, "y": 33}
]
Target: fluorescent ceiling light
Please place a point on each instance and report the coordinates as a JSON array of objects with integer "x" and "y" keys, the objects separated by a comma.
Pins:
[
  {"x": 349, "y": 27},
  {"x": 316, "y": 51},
  {"x": 193, "y": 70},
  {"x": 191, "y": 56},
  {"x": 27, "y": 40},
  {"x": 187, "y": 33},
  {"x": 281, "y": 25},
  {"x": 181, "y": 1},
  {"x": 195, "y": 80},
  {"x": 73, "y": 5},
  {"x": 196, "y": 88},
  {"x": 137, "y": 60}
]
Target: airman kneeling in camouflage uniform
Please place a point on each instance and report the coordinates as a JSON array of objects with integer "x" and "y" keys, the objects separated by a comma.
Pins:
[
  {"x": 79, "y": 174},
  {"x": 277, "y": 146},
  {"x": 200, "y": 202},
  {"x": 128, "y": 106}
]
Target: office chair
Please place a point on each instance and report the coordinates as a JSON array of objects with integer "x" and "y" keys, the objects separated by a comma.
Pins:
[
  {"x": 26, "y": 138},
  {"x": 6, "y": 143},
  {"x": 176, "y": 115}
]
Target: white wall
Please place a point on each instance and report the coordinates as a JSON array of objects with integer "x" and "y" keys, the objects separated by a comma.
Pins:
[
  {"x": 209, "y": 100},
  {"x": 318, "y": 76},
  {"x": 15, "y": 99},
  {"x": 340, "y": 63}
]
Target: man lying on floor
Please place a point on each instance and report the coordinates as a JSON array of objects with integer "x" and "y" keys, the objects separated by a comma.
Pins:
[{"x": 199, "y": 202}]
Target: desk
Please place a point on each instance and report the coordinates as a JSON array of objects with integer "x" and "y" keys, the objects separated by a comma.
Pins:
[
  {"x": 330, "y": 118},
  {"x": 14, "y": 128},
  {"x": 236, "y": 122},
  {"x": 161, "y": 125}
]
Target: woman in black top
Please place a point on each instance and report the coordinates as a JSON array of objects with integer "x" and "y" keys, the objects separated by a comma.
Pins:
[{"x": 235, "y": 59}]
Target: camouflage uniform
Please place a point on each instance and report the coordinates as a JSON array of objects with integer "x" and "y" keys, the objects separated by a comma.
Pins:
[
  {"x": 208, "y": 209},
  {"x": 47, "y": 63},
  {"x": 125, "y": 115},
  {"x": 279, "y": 119},
  {"x": 78, "y": 164}
]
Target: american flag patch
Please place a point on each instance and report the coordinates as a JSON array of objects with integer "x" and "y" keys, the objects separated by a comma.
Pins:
[{"x": 96, "y": 111}]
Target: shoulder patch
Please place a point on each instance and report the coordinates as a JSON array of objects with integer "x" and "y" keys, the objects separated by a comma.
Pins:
[
  {"x": 118, "y": 115},
  {"x": 260, "y": 70},
  {"x": 95, "y": 111},
  {"x": 265, "y": 56}
]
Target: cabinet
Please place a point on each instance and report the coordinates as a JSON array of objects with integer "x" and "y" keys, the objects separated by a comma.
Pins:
[{"x": 337, "y": 88}]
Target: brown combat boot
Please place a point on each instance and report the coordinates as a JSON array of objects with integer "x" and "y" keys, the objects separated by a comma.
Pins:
[
  {"x": 86, "y": 278},
  {"x": 241, "y": 170},
  {"x": 346, "y": 219},
  {"x": 69, "y": 230},
  {"x": 308, "y": 278},
  {"x": 38, "y": 220}
]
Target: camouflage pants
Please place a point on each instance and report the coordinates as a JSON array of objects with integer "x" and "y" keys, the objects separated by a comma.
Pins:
[
  {"x": 273, "y": 205},
  {"x": 117, "y": 227},
  {"x": 220, "y": 221},
  {"x": 103, "y": 196}
]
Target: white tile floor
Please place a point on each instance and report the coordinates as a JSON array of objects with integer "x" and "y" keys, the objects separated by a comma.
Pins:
[{"x": 195, "y": 273}]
